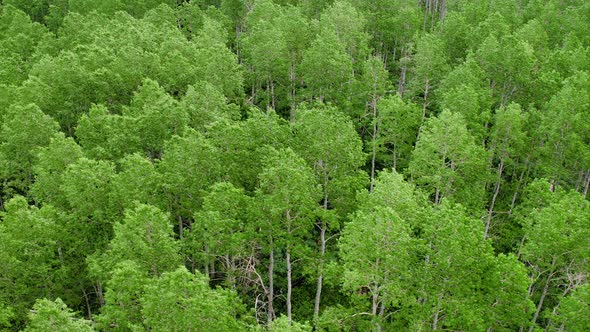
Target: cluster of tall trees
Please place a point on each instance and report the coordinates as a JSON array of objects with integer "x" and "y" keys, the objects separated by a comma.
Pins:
[{"x": 294, "y": 165}]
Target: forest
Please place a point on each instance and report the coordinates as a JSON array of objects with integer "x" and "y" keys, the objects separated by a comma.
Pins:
[{"x": 294, "y": 165}]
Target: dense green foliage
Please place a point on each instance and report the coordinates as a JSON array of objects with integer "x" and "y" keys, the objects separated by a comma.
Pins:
[{"x": 294, "y": 165}]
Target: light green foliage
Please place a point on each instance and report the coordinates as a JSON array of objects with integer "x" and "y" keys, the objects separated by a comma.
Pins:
[
  {"x": 222, "y": 230},
  {"x": 508, "y": 63},
  {"x": 392, "y": 191},
  {"x": 555, "y": 247},
  {"x": 265, "y": 48},
  {"x": 340, "y": 165},
  {"x": 181, "y": 301},
  {"x": 349, "y": 25},
  {"x": 297, "y": 33},
  {"x": 36, "y": 9},
  {"x": 144, "y": 236},
  {"x": 28, "y": 255},
  {"x": 62, "y": 87},
  {"x": 465, "y": 91},
  {"x": 215, "y": 63},
  {"x": 508, "y": 137},
  {"x": 447, "y": 163},
  {"x": 6, "y": 315},
  {"x": 456, "y": 32},
  {"x": 391, "y": 23},
  {"x": 244, "y": 143},
  {"x": 455, "y": 274},
  {"x": 205, "y": 104},
  {"x": 574, "y": 311},
  {"x": 18, "y": 39},
  {"x": 52, "y": 162},
  {"x": 136, "y": 181},
  {"x": 55, "y": 316},
  {"x": 371, "y": 86},
  {"x": 188, "y": 166},
  {"x": 122, "y": 309},
  {"x": 288, "y": 194},
  {"x": 190, "y": 18},
  {"x": 398, "y": 123},
  {"x": 555, "y": 233},
  {"x": 566, "y": 135},
  {"x": 287, "y": 199},
  {"x": 24, "y": 129},
  {"x": 326, "y": 139},
  {"x": 107, "y": 136},
  {"x": 376, "y": 251},
  {"x": 326, "y": 69},
  {"x": 86, "y": 185},
  {"x": 507, "y": 142},
  {"x": 430, "y": 64},
  {"x": 136, "y": 8},
  {"x": 509, "y": 290},
  {"x": 157, "y": 116},
  {"x": 282, "y": 324}
]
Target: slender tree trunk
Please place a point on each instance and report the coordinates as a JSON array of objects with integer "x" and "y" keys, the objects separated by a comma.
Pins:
[
  {"x": 88, "y": 308},
  {"x": 433, "y": 11},
  {"x": 272, "y": 94},
  {"x": 212, "y": 268},
  {"x": 180, "y": 228},
  {"x": 99, "y": 294},
  {"x": 586, "y": 184},
  {"x": 435, "y": 320},
  {"x": 520, "y": 179},
  {"x": 373, "y": 156},
  {"x": 494, "y": 197},
  {"x": 443, "y": 9},
  {"x": 374, "y": 143},
  {"x": 375, "y": 304},
  {"x": 402, "y": 80},
  {"x": 425, "y": 102},
  {"x": 323, "y": 226},
  {"x": 289, "y": 287},
  {"x": 542, "y": 299},
  {"x": 271, "y": 295},
  {"x": 292, "y": 92},
  {"x": 318, "y": 294},
  {"x": 394, "y": 158},
  {"x": 426, "y": 10}
]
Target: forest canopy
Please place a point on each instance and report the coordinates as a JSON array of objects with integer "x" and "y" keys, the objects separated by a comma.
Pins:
[{"x": 294, "y": 165}]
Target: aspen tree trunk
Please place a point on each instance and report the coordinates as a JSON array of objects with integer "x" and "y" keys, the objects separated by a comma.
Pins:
[
  {"x": 289, "y": 287},
  {"x": 292, "y": 92},
  {"x": 542, "y": 299},
  {"x": 432, "y": 16},
  {"x": 180, "y": 228},
  {"x": 318, "y": 294},
  {"x": 271, "y": 294},
  {"x": 375, "y": 304},
  {"x": 426, "y": 88},
  {"x": 272, "y": 94},
  {"x": 426, "y": 11},
  {"x": 402, "y": 75},
  {"x": 437, "y": 195},
  {"x": 374, "y": 138},
  {"x": 443, "y": 9},
  {"x": 494, "y": 197},
  {"x": 586, "y": 184},
  {"x": 520, "y": 179}
]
